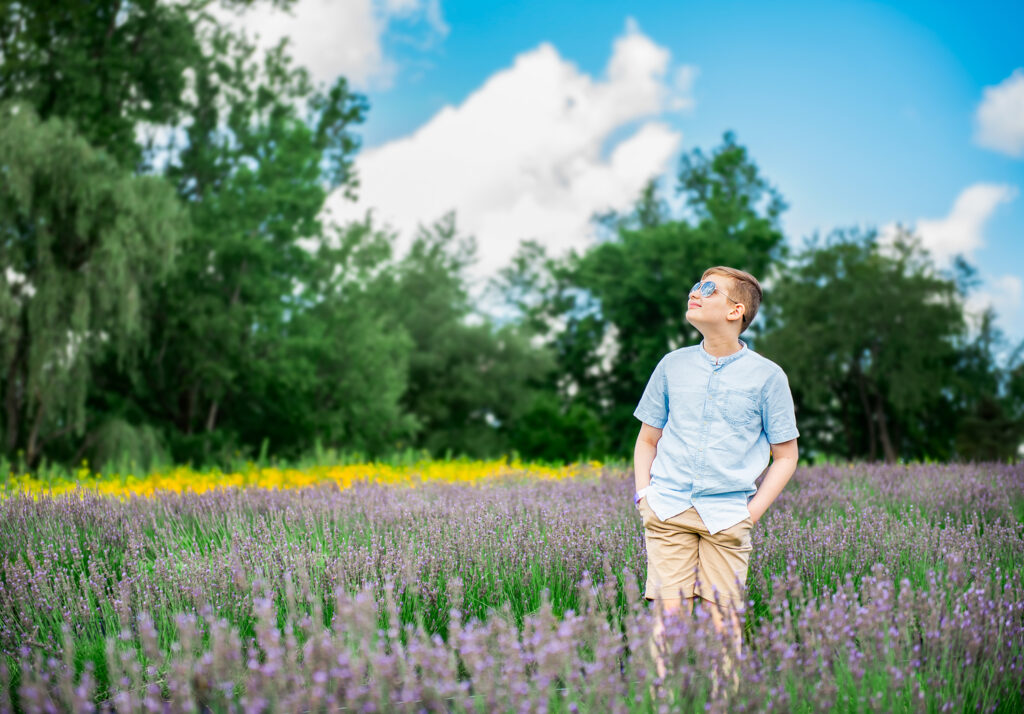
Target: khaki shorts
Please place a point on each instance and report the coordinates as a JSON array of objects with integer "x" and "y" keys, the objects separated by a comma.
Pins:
[{"x": 683, "y": 556}]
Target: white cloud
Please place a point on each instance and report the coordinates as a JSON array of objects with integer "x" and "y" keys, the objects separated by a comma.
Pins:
[
  {"x": 522, "y": 156},
  {"x": 685, "y": 77},
  {"x": 1005, "y": 294},
  {"x": 999, "y": 119},
  {"x": 332, "y": 38},
  {"x": 962, "y": 230}
]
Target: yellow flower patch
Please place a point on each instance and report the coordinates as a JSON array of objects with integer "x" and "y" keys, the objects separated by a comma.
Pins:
[{"x": 183, "y": 478}]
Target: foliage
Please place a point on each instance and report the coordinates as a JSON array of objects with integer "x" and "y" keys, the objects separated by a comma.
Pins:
[
  {"x": 105, "y": 67},
  {"x": 990, "y": 410},
  {"x": 82, "y": 241},
  {"x": 879, "y": 329},
  {"x": 229, "y": 317},
  {"x": 254, "y": 175},
  {"x": 613, "y": 311}
]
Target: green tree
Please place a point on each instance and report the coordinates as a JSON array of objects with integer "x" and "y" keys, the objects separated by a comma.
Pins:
[
  {"x": 469, "y": 381},
  {"x": 535, "y": 292},
  {"x": 269, "y": 327},
  {"x": 103, "y": 66},
  {"x": 339, "y": 367},
  {"x": 81, "y": 239},
  {"x": 985, "y": 414},
  {"x": 869, "y": 340},
  {"x": 1013, "y": 401},
  {"x": 613, "y": 311},
  {"x": 108, "y": 66},
  {"x": 264, "y": 148}
]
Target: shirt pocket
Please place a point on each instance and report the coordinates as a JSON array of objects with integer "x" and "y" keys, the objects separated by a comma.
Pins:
[{"x": 741, "y": 409}]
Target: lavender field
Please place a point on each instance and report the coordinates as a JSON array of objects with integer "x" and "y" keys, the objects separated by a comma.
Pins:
[{"x": 872, "y": 588}]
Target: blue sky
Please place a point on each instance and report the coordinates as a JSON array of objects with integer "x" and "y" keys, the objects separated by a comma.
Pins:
[{"x": 859, "y": 113}]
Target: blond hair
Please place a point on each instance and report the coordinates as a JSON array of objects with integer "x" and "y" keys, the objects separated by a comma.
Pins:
[{"x": 745, "y": 290}]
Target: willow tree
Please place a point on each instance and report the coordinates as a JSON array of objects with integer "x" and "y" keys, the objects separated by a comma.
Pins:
[{"x": 79, "y": 235}]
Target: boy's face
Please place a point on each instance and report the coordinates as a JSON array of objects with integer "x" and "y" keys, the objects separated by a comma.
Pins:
[{"x": 715, "y": 314}]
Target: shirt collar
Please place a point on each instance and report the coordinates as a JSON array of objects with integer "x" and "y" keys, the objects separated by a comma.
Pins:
[{"x": 728, "y": 358}]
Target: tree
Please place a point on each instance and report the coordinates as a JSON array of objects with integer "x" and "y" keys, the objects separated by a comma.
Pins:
[
  {"x": 869, "y": 340},
  {"x": 986, "y": 415},
  {"x": 623, "y": 301},
  {"x": 108, "y": 67},
  {"x": 268, "y": 327},
  {"x": 254, "y": 175},
  {"x": 339, "y": 366},
  {"x": 103, "y": 66},
  {"x": 469, "y": 382},
  {"x": 81, "y": 240}
]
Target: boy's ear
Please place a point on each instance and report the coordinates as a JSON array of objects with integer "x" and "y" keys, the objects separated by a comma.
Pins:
[{"x": 736, "y": 311}]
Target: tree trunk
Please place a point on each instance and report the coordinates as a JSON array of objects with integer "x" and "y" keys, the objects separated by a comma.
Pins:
[
  {"x": 883, "y": 430},
  {"x": 211, "y": 416},
  {"x": 869, "y": 414},
  {"x": 190, "y": 411},
  {"x": 883, "y": 423},
  {"x": 238, "y": 286},
  {"x": 90, "y": 438},
  {"x": 847, "y": 426},
  {"x": 11, "y": 409},
  {"x": 32, "y": 447},
  {"x": 11, "y": 401}
]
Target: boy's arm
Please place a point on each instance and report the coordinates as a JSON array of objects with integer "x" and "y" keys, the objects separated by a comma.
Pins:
[
  {"x": 643, "y": 454},
  {"x": 784, "y": 458}
]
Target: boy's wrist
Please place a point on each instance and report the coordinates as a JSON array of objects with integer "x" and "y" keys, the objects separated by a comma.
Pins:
[{"x": 755, "y": 511}]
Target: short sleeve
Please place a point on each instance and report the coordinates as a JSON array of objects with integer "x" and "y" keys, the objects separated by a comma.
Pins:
[
  {"x": 653, "y": 406},
  {"x": 777, "y": 412}
]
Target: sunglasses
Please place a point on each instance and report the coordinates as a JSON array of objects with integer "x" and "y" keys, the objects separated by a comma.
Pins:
[{"x": 707, "y": 289}]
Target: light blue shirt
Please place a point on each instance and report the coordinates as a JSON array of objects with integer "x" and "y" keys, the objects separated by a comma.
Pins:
[{"x": 718, "y": 416}]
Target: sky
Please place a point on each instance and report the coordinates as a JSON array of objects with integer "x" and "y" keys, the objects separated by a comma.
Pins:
[{"x": 527, "y": 118}]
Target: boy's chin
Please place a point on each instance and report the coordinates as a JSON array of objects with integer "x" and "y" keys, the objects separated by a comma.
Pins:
[{"x": 698, "y": 328}]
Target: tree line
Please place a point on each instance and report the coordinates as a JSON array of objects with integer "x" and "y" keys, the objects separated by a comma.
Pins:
[{"x": 172, "y": 291}]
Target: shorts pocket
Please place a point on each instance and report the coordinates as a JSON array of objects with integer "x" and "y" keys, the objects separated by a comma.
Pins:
[
  {"x": 741, "y": 533},
  {"x": 645, "y": 511}
]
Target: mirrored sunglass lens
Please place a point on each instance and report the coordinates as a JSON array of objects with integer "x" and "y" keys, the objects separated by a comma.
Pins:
[{"x": 707, "y": 288}]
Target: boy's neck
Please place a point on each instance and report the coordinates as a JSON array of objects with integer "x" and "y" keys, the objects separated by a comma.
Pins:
[{"x": 722, "y": 345}]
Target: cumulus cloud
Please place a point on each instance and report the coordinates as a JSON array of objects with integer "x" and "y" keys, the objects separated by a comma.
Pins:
[
  {"x": 526, "y": 154},
  {"x": 962, "y": 230},
  {"x": 999, "y": 120},
  {"x": 332, "y": 38}
]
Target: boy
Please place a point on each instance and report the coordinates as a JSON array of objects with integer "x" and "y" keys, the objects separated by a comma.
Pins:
[{"x": 709, "y": 413}]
